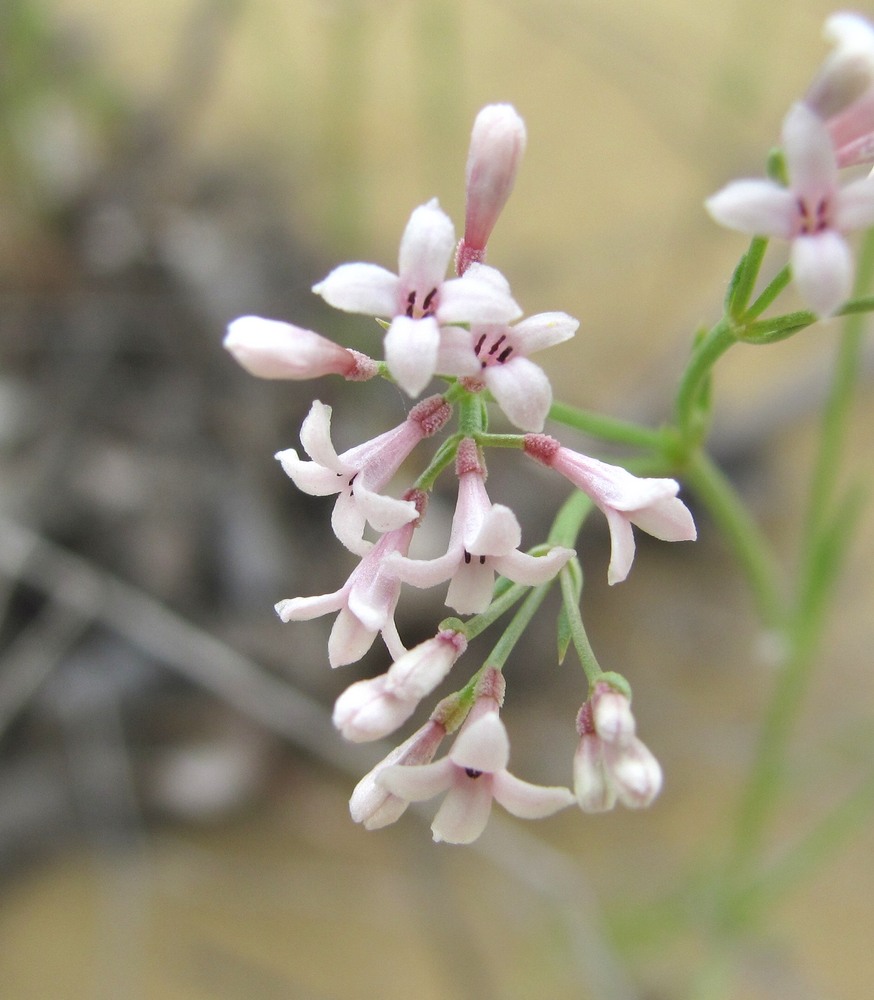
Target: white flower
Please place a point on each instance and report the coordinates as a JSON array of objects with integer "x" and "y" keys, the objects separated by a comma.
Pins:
[
  {"x": 813, "y": 213},
  {"x": 484, "y": 539},
  {"x": 371, "y": 709},
  {"x": 651, "y": 504},
  {"x": 611, "y": 763},
  {"x": 497, "y": 355},
  {"x": 366, "y": 602},
  {"x": 472, "y": 774},
  {"x": 418, "y": 300},
  {"x": 358, "y": 474}
]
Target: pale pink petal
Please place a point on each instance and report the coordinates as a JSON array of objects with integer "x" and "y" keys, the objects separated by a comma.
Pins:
[
  {"x": 756, "y": 207},
  {"x": 621, "y": 545},
  {"x": 854, "y": 208},
  {"x": 522, "y": 390},
  {"x": 498, "y": 534},
  {"x": 418, "y": 782},
  {"x": 483, "y": 745},
  {"x": 315, "y": 436},
  {"x": 310, "y": 477},
  {"x": 361, "y": 288},
  {"x": 667, "y": 518},
  {"x": 528, "y": 801},
  {"x": 411, "y": 347},
  {"x": 349, "y": 639},
  {"x": 426, "y": 247},
  {"x": 471, "y": 587},
  {"x": 424, "y": 572},
  {"x": 532, "y": 570},
  {"x": 373, "y": 601},
  {"x": 822, "y": 268},
  {"x": 383, "y": 513},
  {"x": 472, "y": 300},
  {"x": 367, "y": 711},
  {"x": 635, "y": 773},
  {"x": 593, "y": 791},
  {"x": 543, "y": 330},
  {"x": 490, "y": 276},
  {"x": 456, "y": 355},
  {"x": 464, "y": 812},
  {"x": 299, "y": 609},
  {"x": 348, "y": 522},
  {"x": 810, "y": 157},
  {"x": 272, "y": 349},
  {"x": 392, "y": 640}
]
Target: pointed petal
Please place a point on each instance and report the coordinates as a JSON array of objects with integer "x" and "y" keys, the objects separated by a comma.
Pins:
[
  {"x": 499, "y": 533},
  {"x": 756, "y": 207},
  {"x": 543, "y": 330},
  {"x": 349, "y": 639},
  {"x": 464, "y": 812},
  {"x": 471, "y": 588},
  {"x": 810, "y": 158},
  {"x": 522, "y": 390},
  {"x": 418, "y": 782},
  {"x": 361, "y": 288},
  {"x": 300, "y": 609},
  {"x": 528, "y": 801},
  {"x": 373, "y": 601},
  {"x": 668, "y": 519},
  {"x": 310, "y": 477},
  {"x": 411, "y": 347},
  {"x": 532, "y": 570},
  {"x": 822, "y": 268},
  {"x": 621, "y": 546},
  {"x": 426, "y": 247},
  {"x": 483, "y": 745},
  {"x": 315, "y": 436},
  {"x": 424, "y": 572}
]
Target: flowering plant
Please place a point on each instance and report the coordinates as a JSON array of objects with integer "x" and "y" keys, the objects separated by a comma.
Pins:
[{"x": 468, "y": 333}]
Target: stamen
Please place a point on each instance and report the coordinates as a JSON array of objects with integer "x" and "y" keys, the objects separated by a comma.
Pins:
[{"x": 472, "y": 773}]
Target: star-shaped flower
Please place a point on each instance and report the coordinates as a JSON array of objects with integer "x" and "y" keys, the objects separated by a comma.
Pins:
[
  {"x": 484, "y": 539},
  {"x": 419, "y": 299},
  {"x": 472, "y": 774},
  {"x": 358, "y": 474},
  {"x": 813, "y": 212}
]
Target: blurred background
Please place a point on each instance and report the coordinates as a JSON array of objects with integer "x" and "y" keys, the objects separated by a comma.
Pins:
[{"x": 173, "y": 799}]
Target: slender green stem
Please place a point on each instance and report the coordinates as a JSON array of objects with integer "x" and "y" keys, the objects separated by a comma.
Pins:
[
  {"x": 500, "y": 440},
  {"x": 579, "y": 637},
  {"x": 744, "y": 277},
  {"x": 519, "y": 622},
  {"x": 772, "y": 290},
  {"x": 479, "y": 623},
  {"x": 606, "y": 428},
  {"x": 707, "y": 352},
  {"x": 749, "y": 545},
  {"x": 444, "y": 456}
]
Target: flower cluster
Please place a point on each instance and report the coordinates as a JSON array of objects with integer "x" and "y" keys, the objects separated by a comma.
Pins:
[
  {"x": 832, "y": 127},
  {"x": 467, "y": 331}
]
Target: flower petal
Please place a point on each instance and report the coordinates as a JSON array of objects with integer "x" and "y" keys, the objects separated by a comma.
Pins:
[
  {"x": 424, "y": 572},
  {"x": 621, "y": 545},
  {"x": 315, "y": 436},
  {"x": 483, "y": 745},
  {"x": 384, "y": 513},
  {"x": 756, "y": 207},
  {"x": 528, "y": 801},
  {"x": 361, "y": 288},
  {"x": 822, "y": 268},
  {"x": 418, "y": 782},
  {"x": 456, "y": 355},
  {"x": 498, "y": 533},
  {"x": 471, "y": 587},
  {"x": 301, "y": 609},
  {"x": 411, "y": 347},
  {"x": 543, "y": 330},
  {"x": 532, "y": 570},
  {"x": 349, "y": 639},
  {"x": 347, "y": 523},
  {"x": 810, "y": 157},
  {"x": 855, "y": 205},
  {"x": 668, "y": 519},
  {"x": 464, "y": 812},
  {"x": 472, "y": 300},
  {"x": 310, "y": 477},
  {"x": 426, "y": 247},
  {"x": 522, "y": 390}
]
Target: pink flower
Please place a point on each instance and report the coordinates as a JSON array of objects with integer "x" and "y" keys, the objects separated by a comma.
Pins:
[
  {"x": 366, "y": 602},
  {"x": 358, "y": 474},
  {"x": 270, "y": 348},
  {"x": 497, "y": 356},
  {"x": 842, "y": 92},
  {"x": 813, "y": 212},
  {"x": 371, "y": 709},
  {"x": 484, "y": 539},
  {"x": 375, "y": 806},
  {"x": 472, "y": 774},
  {"x": 418, "y": 300},
  {"x": 611, "y": 763},
  {"x": 651, "y": 504},
  {"x": 497, "y": 143}
]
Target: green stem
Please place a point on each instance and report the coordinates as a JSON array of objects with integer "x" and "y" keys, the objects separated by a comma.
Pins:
[
  {"x": 579, "y": 637},
  {"x": 519, "y": 622},
  {"x": 749, "y": 545},
  {"x": 606, "y": 428},
  {"x": 773, "y": 289},
  {"x": 707, "y": 352}
]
